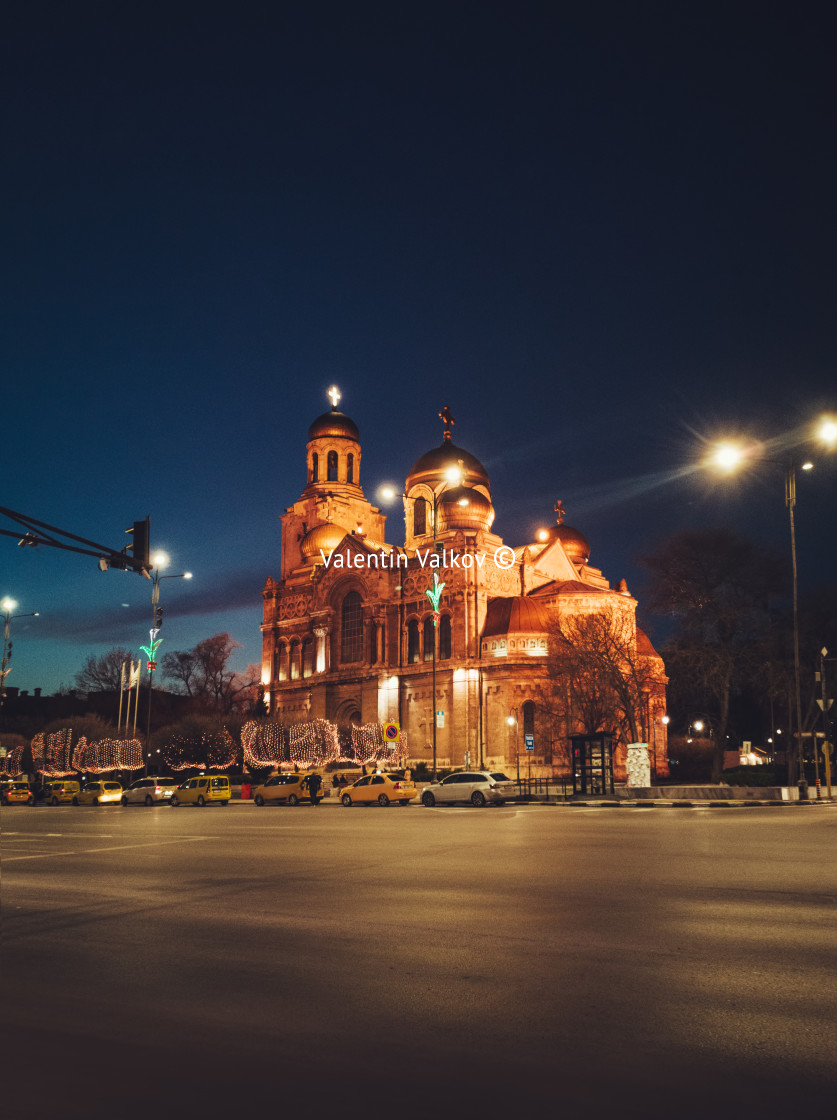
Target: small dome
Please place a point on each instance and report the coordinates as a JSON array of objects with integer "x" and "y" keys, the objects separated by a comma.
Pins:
[
  {"x": 514, "y": 615},
  {"x": 574, "y": 543},
  {"x": 323, "y": 537},
  {"x": 465, "y": 508},
  {"x": 433, "y": 464},
  {"x": 335, "y": 424}
]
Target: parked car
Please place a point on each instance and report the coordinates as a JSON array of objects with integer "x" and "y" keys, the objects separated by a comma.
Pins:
[
  {"x": 202, "y": 790},
  {"x": 147, "y": 791},
  {"x": 99, "y": 793},
  {"x": 61, "y": 791},
  {"x": 477, "y": 787},
  {"x": 16, "y": 793},
  {"x": 381, "y": 789},
  {"x": 285, "y": 789}
]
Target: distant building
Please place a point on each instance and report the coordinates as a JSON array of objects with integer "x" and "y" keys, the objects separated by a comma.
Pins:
[{"x": 348, "y": 629}]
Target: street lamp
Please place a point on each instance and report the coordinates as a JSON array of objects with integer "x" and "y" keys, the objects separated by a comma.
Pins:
[
  {"x": 513, "y": 721},
  {"x": 159, "y": 560},
  {"x": 728, "y": 457},
  {"x": 8, "y": 606},
  {"x": 454, "y": 476}
]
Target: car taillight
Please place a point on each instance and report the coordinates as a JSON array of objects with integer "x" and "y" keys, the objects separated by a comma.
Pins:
[{"x": 396, "y": 785}]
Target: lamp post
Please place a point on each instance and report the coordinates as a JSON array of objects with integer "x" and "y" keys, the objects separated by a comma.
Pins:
[
  {"x": 8, "y": 606},
  {"x": 513, "y": 720},
  {"x": 454, "y": 476},
  {"x": 728, "y": 457},
  {"x": 159, "y": 560}
]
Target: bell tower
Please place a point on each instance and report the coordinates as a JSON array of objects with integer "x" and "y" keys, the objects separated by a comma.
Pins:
[{"x": 332, "y": 503}]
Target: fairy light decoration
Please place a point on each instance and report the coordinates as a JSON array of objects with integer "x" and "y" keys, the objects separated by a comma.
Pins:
[
  {"x": 212, "y": 750},
  {"x": 107, "y": 755},
  {"x": 56, "y": 751},
  {"x": 370, "y": 745},
  {"x": 265, "y": 744},
  {"x": 11, "y": 764}
]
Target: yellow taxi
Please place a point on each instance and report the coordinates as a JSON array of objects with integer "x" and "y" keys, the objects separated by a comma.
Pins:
[
  {"x": 61, "y": 791},
  {"x": 17, "y": 793},
  {"x": 380, "y": 789},
  {"x": 206, "y": 789},
  {"x": 99, "y": 793},
  {"x": 285, "y": 789}
]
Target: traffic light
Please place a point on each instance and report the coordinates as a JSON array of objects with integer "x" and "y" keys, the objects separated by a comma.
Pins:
[
  {"x": 140, "y": 545},
  {"x": 158, "y": 617}
]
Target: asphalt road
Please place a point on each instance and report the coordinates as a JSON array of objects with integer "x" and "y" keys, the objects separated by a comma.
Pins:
[{"x": 215, "y": 961}]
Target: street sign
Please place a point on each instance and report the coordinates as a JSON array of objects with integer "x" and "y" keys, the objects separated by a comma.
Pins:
[
  {"x": 529, "y": 740},
  {"x": 392, "y": 730},
  {"x": 440, "y": 718}
]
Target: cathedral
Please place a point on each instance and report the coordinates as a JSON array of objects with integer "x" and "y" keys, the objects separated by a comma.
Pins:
[{"x": 448, "y": 635}]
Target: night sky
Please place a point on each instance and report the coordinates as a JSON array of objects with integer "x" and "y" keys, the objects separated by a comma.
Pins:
[{"x": 603, "y": 234}]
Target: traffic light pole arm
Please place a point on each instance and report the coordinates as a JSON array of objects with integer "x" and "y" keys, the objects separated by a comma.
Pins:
[{"x": 33, "y": 536}]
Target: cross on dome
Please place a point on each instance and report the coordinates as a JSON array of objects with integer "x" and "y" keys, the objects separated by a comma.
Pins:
[
  {"x": 334, "y": 395},
  {"x": 559, "y": 509},
  {"x": 447, "y": 420}
]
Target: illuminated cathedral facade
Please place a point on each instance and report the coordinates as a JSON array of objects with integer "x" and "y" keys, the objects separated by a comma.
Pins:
[{"x": 351, "y": 635}]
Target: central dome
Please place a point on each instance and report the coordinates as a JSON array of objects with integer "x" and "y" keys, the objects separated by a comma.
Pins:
[
  {"x": 433, "y": 464},
  {"x": 335, "y": 424},
  {"x": 465, "y": 508}
]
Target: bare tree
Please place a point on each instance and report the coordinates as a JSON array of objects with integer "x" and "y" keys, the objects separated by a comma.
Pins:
[
  {"x": 603, "y": 673},
  {"x": 203, "y": 673},
  {"x": 717, "y": 587},
  {"x": 103, "y": 674}
]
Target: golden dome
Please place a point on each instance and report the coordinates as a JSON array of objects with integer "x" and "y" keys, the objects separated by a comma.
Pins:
[
  {"x": 465, "y": 508},
  {"x": 514, "y": 615},
  {"x": 323, "y": 537},
  {"x": 334, "y": 424},
  {"x": 574, "y": 543},
  {"x": 431, "y": 467}
]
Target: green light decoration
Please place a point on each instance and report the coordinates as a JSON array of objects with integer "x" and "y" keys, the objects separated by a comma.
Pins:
[
  {"x": 434, "y": 596},
  {"x": 151, "y": 649}
]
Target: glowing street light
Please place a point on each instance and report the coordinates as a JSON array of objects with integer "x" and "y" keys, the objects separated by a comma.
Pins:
[
  {"x": 727, "y": 457},
  {"x": 827, "y": 431},
  {"x": 9, "y": 605},
  {"x": 159, "y": 560}
]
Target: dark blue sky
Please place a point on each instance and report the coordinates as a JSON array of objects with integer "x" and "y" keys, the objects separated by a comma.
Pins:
[{"x": 602, "y": 233}]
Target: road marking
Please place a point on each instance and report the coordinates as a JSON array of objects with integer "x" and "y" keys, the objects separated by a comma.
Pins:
[{"x": 112, "y": 848}]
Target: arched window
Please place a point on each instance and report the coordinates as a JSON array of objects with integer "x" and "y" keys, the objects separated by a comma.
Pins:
[
  {"x": 529, "y": 717},
  {"x": 294, "y": 660},
  {"x": 429, "y": 638},
  {"x": 373, "y": 643},
  {"x": 315, "y": 467},
  {"x": 444, "y": 638},
  {"x": 351, "y": 634},
  {"x": 331, "y": 467},
  {"x": 412, "y": 641},
  {"x": 308, "y": 648},
  {"x": 282, "y": 654},
  {"x": 350, "y": 468},
  {"x": 419, "y": 517}
]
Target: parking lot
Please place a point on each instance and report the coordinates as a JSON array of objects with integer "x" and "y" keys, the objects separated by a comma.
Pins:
[{"x": 420, "y": 958}]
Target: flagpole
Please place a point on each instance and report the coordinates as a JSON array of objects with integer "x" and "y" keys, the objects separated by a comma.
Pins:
[
  {"x": 136, "y": 695},
  {"x": 121, "y": 693}
]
